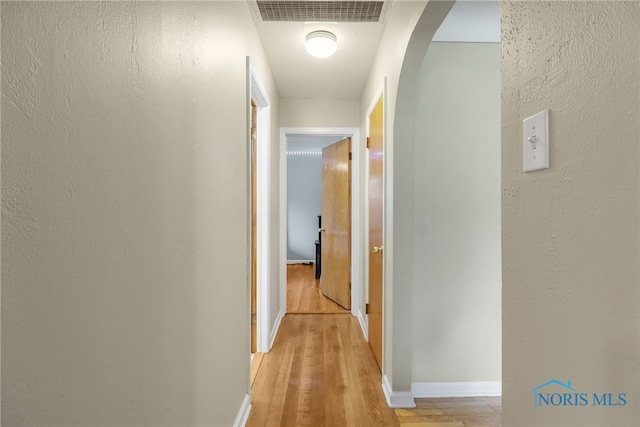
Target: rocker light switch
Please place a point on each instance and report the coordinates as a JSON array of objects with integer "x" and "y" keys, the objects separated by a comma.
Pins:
[{"x": 535, "y": 142}]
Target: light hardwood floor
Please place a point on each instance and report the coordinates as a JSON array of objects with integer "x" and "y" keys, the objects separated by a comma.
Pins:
[
  {"x": 320, "y": 372},
  {"x": 303, "y": 292},
  {"x": 453, "y": 412},
  {"x": 256, "y": 361}
]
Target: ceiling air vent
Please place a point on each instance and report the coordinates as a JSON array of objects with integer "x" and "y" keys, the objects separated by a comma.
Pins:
[{"x": 320, "y": 11}]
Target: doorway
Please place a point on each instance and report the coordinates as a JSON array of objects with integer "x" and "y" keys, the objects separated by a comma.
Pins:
[
  {"x": 254, "y": 220},
  {"x": 357, "y": 227},
  {"x": 310, "y": 232},
  {"x": 258, "y": 121},
  {"x": 446, "y": 250}
]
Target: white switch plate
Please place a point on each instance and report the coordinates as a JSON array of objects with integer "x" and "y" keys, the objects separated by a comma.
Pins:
[{"x": 535, "y": 142}]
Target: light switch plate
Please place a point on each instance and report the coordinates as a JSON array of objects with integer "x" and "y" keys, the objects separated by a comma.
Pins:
[{"x": 535, "y": 142}]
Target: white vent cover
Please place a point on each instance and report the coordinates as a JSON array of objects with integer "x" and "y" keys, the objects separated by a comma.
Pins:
[{"x": 320, "y": 11}]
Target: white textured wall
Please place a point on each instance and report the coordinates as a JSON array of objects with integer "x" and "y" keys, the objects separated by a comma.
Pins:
[
  {"x": 458, "y": 276},
  {"x": 315, "y": 113},
  {"x": 124, "y": 212},
  {"x": 571, "y": 296}
]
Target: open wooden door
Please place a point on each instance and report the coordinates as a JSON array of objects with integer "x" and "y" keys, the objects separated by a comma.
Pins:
[
  {"x": 375, "y": 145},
  {"x": 335, "y": 280}
]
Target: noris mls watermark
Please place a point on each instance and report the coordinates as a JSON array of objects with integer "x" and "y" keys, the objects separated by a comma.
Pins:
[{"x": 555, "y": 393}]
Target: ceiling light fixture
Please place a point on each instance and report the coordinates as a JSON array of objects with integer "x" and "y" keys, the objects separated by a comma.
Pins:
[{"x": 321, "y": 44}]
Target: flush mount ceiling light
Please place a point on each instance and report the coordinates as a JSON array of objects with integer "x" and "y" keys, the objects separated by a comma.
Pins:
[{"x": 321, "y": 44}]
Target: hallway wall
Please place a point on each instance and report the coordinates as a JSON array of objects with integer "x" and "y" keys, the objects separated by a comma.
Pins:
[
  {"x": 457, "y": 256},
  {"x": 304, "y": 193},
  {"x": 315, "y": 113},
  {"x": 304, "y": 204},
  {"x": 124, "y": 212},
  {"x": 570, "y": 234}
]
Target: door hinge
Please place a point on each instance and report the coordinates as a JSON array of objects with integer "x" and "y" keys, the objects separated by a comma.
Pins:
[
  {"x": 366, "y": 309},
  {"x": 349, "y": 285},
  {"x": 350, "y": 156},
  {"x": 368, "y": 142}
]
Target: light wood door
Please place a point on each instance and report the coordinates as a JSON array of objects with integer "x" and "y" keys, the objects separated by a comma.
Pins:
[
  {"x": 254, "y": 222},
  {"x": 375, "y": 142},
  {"x": 336, "y": 223}
]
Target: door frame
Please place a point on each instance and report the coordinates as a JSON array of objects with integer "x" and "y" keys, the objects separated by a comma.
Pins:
[
  {"x": 258, "y": 94},
  {"x": 357, "y": 225},
  {"x": 380, "y": 93}
]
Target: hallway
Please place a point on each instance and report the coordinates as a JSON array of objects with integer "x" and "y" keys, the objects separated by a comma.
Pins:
[
  {"x": 125, "y": 215},
  {"x": 320, "y": 372}
]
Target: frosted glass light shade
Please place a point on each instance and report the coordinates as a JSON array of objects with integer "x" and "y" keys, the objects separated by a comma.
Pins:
[{"x": 321, "y": 44}]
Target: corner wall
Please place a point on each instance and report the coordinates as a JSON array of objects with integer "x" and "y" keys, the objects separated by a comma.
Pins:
[
  {"x": 125, "y": 212},
  {"x": 387, "y": 65},
  {"x": 409, "y": 29},
  {"x": 570, "y": 234}
]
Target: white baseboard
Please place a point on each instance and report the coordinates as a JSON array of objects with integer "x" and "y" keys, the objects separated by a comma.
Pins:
[
  {"x": 301, "y": 261},
  {"x": 274, "y": 330},
  {"x": 397, "y": 399},
  {"x": 470, "y": 389},
  {"x": 363, "y": 325},
  {"x": 243, "y": 413}
]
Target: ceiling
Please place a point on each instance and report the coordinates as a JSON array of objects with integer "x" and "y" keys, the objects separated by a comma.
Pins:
[
  {"x": 342, "y": 76},
  {"x": 299, "y": 75}
]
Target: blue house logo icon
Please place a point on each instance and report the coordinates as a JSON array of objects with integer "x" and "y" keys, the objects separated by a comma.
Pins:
[
  {"x": 567, "y": 395},
  {"x": 555, "y": 393}
]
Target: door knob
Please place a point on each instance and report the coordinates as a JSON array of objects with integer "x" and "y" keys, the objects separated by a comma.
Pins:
[
  {"x": 322, "y": 230},
  {"x": 377, "y": 249}
]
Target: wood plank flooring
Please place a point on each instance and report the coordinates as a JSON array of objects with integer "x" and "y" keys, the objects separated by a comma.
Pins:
[
  {"x": 453, "y": 412},
  {"x": 320, "y": 372},
  {"x": 303, "y": 292},
  {"x": 256, "y": 361}
]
